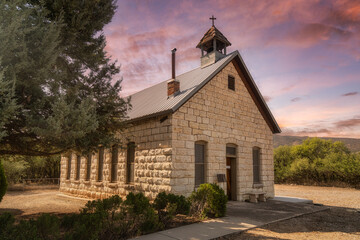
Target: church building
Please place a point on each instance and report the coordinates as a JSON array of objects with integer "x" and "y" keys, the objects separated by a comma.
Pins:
[{"x": 208, "y": 125}]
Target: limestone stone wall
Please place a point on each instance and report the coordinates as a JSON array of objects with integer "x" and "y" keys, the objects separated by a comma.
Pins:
[
  {"x": 220, "y": 116},
  {"x": 153, "y": 164}
]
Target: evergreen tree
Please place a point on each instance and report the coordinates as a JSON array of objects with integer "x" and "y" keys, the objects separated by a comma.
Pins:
[
  {"x": 8, "y": 105},
  {"x": 3, "y": 182},
  {"x": 61, "y": 90}
]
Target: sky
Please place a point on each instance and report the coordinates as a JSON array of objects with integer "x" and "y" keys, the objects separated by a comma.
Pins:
[{"x": 304, "y": 55}]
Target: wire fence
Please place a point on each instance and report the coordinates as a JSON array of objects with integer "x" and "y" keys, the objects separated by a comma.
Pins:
[{"x": 55, "y": 181}]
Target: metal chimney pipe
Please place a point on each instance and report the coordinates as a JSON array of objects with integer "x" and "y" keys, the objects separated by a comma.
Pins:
[{"x": 173, "y": 63}]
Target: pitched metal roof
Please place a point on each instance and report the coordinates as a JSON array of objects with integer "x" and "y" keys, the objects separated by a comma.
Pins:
[{"x": 153, "y": 101}]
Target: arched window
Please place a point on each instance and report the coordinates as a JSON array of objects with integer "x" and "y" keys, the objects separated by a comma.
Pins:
[
  {"x": 114, "y": 163},
  {"x": 101, "y": 164},
  {"x": 199, "y": 163},
  {"x": 130, "y": 159},
  {"x": 256, "y": 165}
]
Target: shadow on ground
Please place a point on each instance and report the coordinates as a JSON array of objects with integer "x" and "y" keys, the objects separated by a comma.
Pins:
[
  {"x": 13, "y": 211},
  {"x": 269, "y": 211}
]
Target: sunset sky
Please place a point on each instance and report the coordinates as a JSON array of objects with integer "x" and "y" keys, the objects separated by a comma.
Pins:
[{"x": 304, "y": 55}]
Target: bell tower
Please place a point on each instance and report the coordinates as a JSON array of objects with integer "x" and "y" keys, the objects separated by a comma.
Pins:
[{"x": 213, "y": 45}]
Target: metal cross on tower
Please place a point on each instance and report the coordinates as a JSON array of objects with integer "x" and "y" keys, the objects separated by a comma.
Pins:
[{"x": 212, "y": 19}]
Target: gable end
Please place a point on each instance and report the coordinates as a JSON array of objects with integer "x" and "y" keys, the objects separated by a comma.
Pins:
[{"x": 255, "y": 94}]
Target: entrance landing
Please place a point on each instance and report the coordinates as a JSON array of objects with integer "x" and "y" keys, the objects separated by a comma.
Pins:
[{"x": 292, "y": 199}]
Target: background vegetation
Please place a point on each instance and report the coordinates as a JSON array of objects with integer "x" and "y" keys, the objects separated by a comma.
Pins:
[
  {"x": 317, "y": 161},
  {"x": 18, "y": 168}
]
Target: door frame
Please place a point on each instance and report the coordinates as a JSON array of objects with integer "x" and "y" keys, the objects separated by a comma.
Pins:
[{"x": 233, "y": 172}]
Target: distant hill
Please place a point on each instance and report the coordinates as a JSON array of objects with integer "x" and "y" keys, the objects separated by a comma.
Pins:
[{"x": 352, "y": 143}]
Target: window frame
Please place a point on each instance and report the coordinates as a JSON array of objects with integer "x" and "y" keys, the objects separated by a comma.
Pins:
[
  {"x": 101, "y": 157},
  {"x": 68, "y": 173},
  {"x": 78, "y": 167},
  {"x": 114, "y": 163},
  {"x": 130, "y": 162},
  {"x": 88, "y": 167},
  {"x": 256, "y": 165},
  {"x": 230, "y": 154},
  {"x": 201, "y": 165},
  {"x": 231, "y": 82}
]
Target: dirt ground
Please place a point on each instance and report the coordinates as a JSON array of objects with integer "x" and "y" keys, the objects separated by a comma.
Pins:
[
  {"x": 341, "y": 221},
  {"x": 330, "y": 196},
  {"x": 31, "y": 202}
]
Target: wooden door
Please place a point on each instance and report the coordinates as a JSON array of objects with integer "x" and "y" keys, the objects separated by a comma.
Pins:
[
  {"x": 231, "y": 178},
  {"x": 228, "y": 177}
]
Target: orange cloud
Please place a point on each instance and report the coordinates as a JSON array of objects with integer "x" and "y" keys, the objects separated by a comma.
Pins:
[{"x": 348, "y": 123}]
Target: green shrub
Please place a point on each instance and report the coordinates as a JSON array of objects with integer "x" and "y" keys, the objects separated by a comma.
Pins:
[
  {"x": 48, "y": 226},
  {"x": 25, "y": 229},
  {"x": 163, "y": 200},
  {"x": 109, "y": 218},
  {"x": 112, "y": 218},
  {"x": 3, "y": 182},
  {"x": 83, "y": 226},
  {"x": 105, "y": 205},
  {"x": 208, "y": 201},
  {"x": 6, "y": 224},
  {"x": 168, "y": 205},
  {"x": 44, "y": 227},
  {"x": 97, "y": 220},
  {"x": 142, "y": 215}
]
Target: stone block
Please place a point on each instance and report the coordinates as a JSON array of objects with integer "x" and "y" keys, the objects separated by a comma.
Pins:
[{"x": 167, "y": 151}]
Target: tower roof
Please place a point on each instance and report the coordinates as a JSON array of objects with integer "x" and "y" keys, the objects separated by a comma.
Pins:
[{"x": 212, "y": 33}]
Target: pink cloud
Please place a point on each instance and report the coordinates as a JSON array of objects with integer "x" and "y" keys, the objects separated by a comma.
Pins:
[{"x": 342, "y": 128}]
